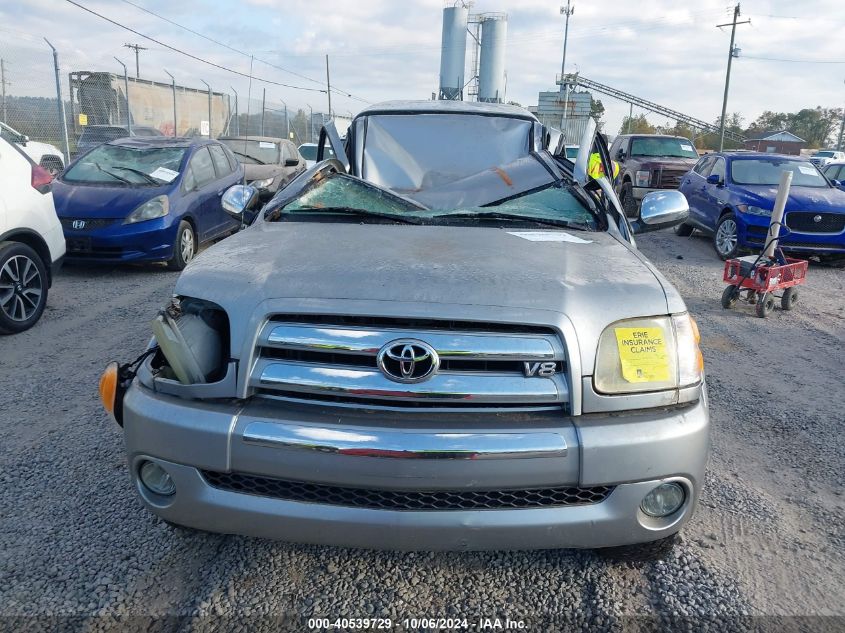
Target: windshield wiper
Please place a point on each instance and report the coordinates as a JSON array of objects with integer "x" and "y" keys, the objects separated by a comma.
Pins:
[
  {"x": 112, "y": 174},
  {"x": 497, "y": 215},
  {"x": 361, "y": 213},
  {"x": 260, "y": 162},
  {"x": 144, "y": 174}
]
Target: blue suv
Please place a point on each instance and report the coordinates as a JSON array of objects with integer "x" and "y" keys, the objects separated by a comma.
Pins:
[
  {"x": 146, "y": 200},
  {"x": 731, "y": 196}
]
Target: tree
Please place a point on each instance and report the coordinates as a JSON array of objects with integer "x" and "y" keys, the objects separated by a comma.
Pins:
[
  {"x": 818, "y": 126},
  {"x": 638, "y": 125},
  {"x": 597, "y": 112}
]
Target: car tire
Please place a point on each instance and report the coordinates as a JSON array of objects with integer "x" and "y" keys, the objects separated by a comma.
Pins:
[
  {"x": 640, "y": 552},
  {"x": 23, "y": 287},
  {"x": 729, "y": 297},
  {"x": 629, "y": 202},
  {"x": 684, "y": 230},
  {"x": 726, "y": 237},
  {"x": 184, "y": 247},
  {"x": 789, "y": 298},
  {"x": 765, "y": 305}
]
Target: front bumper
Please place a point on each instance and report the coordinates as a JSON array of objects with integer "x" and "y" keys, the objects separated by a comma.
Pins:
[
  {"x": 633, "y": 452},
  {"x": 753, "y": 230},
  {"x": 150, "y": 241}
]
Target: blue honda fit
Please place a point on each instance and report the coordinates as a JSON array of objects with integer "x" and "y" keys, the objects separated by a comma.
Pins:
[
  {"x": 731, "y": 196},
  {"x": 146, "y": 200}
]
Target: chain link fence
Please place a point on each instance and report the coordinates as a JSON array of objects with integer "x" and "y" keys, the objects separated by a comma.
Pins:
[{"x": 65, "y": 101}]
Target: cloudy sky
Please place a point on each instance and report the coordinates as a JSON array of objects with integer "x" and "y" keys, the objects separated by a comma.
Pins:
[{"x": 389, "y": 49}]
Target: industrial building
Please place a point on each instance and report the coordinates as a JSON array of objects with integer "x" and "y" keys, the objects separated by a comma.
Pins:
[
  {"x": 778, "y": 142},
  {"x": 487, "y": 75}
]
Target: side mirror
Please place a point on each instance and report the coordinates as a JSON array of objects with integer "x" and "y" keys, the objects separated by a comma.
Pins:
[
  {"x": 291, "y": 162},
  {"x": 714, "y": 179},
  {"x": 660, "y": 210},
  {"x": 237, "y": 199},
  {"x": 620, "y": 155}
]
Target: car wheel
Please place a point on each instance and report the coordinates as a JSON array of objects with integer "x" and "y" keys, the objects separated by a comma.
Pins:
[
  {"x": 683, "y": 230},
  {"x": 730, "y": 297},
  {"x": 23, "y": 287},
  {"x": 725, "y": 237},
  {"x": 629, "y": 202},
  {"x": 765, "y": 304},
  {"x": 789, "y": 298},
  {"x": 653, "y": 550},
  {"x": 185, "y": 246}
]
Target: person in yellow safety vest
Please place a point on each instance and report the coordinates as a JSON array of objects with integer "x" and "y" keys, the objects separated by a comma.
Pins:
[{"x": 595, "y": 168}]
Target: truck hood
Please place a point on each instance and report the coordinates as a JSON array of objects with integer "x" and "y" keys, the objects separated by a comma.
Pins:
[
  {"x": 665, "y": 162},
  {"x": 820, "y": 199},
  {"x": 592, "y": 282}
]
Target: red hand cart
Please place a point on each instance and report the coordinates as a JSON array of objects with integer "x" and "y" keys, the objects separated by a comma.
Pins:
[{"x": 760, "y": 279}]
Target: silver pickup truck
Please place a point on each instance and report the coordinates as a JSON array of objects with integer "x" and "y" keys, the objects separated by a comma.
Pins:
[{"x": 444, "y": 338}]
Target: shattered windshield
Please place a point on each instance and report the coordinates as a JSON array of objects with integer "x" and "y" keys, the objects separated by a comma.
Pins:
[{"x": 555, "y": 204}]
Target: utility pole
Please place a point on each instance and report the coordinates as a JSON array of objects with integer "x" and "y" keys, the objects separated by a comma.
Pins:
[
  {"x": 311, "y": 125},
  {"x": 630, "y": 116},
  {"x": 126, "y": 89},
  {"x": 3, "y": 82},
  {"x": 329, "y": 86},
  {"x": 173, "y": 89},
  {"x": 137, "y": 48},
  {"x": 263, "y": 107},
  {"x": 731, "y": 54},
  {"x": 568, "y": 10},
  {"x": 237, "y": 116},
  {"x": 838, "y": 143},
  {"x": 209, "y": 107},
  {"x": 287, "y": 121}
]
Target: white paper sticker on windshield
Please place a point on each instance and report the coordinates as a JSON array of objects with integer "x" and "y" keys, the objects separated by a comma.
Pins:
[
  {"x": 163, "y": 173},
  {"x": 266, "y": 145},
  {"x": 549, "y": 236},
  {"x": 807, "y": 169},
  {"x": 686, "y": 148}
]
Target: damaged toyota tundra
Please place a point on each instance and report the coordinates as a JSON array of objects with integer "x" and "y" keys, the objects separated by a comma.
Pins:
[{"x": 443, "y": 338}]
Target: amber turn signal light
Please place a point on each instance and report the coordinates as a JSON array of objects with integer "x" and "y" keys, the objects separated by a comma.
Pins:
[{"x": 108, "y": 386}]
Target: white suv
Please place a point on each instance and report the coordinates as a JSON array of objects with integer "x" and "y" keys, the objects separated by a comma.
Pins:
[
  {"x": 46, "y": 155},
  {"x": 32, "y": 244}
]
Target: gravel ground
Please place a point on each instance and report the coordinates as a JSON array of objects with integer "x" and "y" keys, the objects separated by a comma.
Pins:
[{"x": 767, "y": 540}]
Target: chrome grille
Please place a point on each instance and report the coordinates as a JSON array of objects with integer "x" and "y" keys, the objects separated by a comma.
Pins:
[
  {"x": 670, "y": 178},
  {"x": 334, "y": 359},
  {"x": 406, "y": 500}
]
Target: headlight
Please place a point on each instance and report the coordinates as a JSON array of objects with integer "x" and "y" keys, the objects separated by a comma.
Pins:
[
  {"x": 151, "y": 209},
  {"x": 643, "y": 178},
  {"x": 190, "y": 335},
  {"x": 262, "y": 184},
  {"x": 648, "y": 354},
  {"x": 752, "y": 210}
]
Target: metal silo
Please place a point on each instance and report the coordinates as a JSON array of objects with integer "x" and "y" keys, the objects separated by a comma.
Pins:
[
  {"x": 491, "y": 70},
  {"x": 453, "y": 52}
]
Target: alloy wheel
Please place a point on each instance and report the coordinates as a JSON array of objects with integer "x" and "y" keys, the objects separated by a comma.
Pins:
[
  {"x": 726, "y": 237},
  {"x": 21, "y": 288},
  {"x": 186, "y": 244}
]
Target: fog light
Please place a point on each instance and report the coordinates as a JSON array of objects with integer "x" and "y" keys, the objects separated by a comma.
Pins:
[
  {"x": 663, "y": 500},
  {"x": 157, "y": 479}
]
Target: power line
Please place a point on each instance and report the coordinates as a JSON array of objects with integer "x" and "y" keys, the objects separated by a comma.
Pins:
[
  {"x": 186, "y": 54},
  {"x": 336, "y": 89},
  {"x": 794, "y": 61}
]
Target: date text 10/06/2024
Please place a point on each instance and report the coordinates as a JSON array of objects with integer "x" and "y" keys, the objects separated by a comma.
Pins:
[{"x": 386, "y": 624}]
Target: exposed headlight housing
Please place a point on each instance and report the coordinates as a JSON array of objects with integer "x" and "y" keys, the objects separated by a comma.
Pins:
[
  {"x": 155, "y": 208},
  {"x": 642, "y": 178},
  {"x": 262, "y": 184},
  {"x": 752, "y": 210},
  {"x": 649, "y": 354}
]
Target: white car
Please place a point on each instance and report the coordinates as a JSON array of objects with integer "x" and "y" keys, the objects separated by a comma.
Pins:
[
  {"x": 44, "y": 154},
  {"x": 825, "y": 156},
  {"x": 32, "y": 244},
  {"x": 309, "y": 153}
]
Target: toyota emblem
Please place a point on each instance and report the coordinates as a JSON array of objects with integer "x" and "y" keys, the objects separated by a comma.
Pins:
[
  {"x": 408, "y": 360},
  {"x": 78, "y": 224},
  {"x": 817, "y": 218}
]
